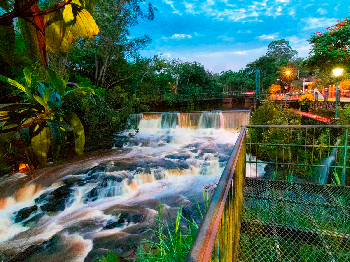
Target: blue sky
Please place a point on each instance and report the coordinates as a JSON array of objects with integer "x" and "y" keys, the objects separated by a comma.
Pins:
[{"x": 226, "y": 35}]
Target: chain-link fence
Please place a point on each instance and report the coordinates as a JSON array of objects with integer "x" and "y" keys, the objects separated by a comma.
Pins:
[
  {"x": 285, "y": 221},
  {"x": 288, "y": 215}
]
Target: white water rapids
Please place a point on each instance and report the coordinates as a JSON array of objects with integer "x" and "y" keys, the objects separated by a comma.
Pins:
[{"x": 109, "y": 207}]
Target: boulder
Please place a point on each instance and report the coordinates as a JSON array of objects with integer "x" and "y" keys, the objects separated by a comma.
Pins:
[{"x": 24, "y": 213}]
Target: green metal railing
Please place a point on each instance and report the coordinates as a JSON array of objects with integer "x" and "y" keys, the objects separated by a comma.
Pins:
[
  {"x": 316, "y": 154},
  {"x": 280, "y": 211}
]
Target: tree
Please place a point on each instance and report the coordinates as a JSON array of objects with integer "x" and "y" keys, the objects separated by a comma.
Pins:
[
  {"x": 329, "y": 50},
  {"x": 281, "y": 51},
  {"x": 46, "y": 27},
  {"x": 269, "y": 70},
  {"x": 105, "y": 59}
]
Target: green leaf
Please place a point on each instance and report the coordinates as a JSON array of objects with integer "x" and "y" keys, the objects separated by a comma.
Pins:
[
  {"x": 61, "y": 124},
  {"x": 40, "y": 144},
  {"x": 15, "y": 84},
  {"x": 78, "y": 130},
  {"x": 47, "y": 95},
  {"x": 40, "y": 100},
  {"x": 79, "y": 91},
  {"x": 27, "y": 76},
  {"x": 57, "y": 139},
  {"x": 57, "y": 83},
  {"x": 12, "y": 82},
  {"x": 25, "y": 136}
]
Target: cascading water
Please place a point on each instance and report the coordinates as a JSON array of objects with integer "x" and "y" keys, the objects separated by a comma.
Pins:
[
  {"x": 88, "y": 213},
  {"x": 170, "y": 120},
  {"x": 211, "y": 120},
  {"x": 133, "y": 121},
  {"x": 322, "y": 173}
]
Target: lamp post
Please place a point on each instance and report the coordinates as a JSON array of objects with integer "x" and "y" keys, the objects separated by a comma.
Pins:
[{"x": 337, "y": 72}]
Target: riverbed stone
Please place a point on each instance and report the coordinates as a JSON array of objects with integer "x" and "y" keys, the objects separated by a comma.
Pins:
[
  {"x": 24, "y": 213},
  {"x": 178, "y": 157},
  {"x": 56, "y": 200}
]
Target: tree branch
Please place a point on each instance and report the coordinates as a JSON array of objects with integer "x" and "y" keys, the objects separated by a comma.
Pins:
[{"x": 7, "y": 19}]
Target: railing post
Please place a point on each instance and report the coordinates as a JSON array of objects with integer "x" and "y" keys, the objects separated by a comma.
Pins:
[{"x": 345, "y": 156}]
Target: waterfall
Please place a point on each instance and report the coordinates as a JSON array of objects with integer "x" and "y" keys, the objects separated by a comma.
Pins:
[
  {"x": 211, "y": 120},
  {"x": 190, "y": 120},
  {"x": 133, "y": 121},
  {"x": 170, "y": 120},
  {"x": 150, "y": 122},
  {"x": 322, "y": 173},
  {"x": 228, "y": 120},
  {"x": 234, "y": 120}
]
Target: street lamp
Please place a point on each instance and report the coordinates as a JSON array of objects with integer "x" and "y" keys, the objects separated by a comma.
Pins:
[{"x": 337, "y": 72}]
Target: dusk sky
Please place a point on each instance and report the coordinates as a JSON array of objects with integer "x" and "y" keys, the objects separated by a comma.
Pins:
[{"x": 226, "y": 35}]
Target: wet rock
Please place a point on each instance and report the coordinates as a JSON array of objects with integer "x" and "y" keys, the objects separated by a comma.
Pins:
[
  {"x": 34, "y": 220},
  {"x": 56, "y": 200},
  {"x": 182, "y": 165},
  {"x": 97, "y": 169},
  {"x": 110, "y": 180},
  {"x": 179, "y": 157},
  {"x": 24, "y": 213},
  {"x": 208, "y": 150},
  {"x": 71, "y": 180},
  {"x": 111, "y": 224}
]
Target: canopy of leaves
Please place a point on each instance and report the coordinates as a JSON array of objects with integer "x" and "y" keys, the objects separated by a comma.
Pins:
[
  {"x": 329, "y": 50},
  {"x": 281, "y": 51}
]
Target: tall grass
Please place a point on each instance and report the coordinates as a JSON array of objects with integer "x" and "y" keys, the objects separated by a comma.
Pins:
[{"x": 173, "y": 240}]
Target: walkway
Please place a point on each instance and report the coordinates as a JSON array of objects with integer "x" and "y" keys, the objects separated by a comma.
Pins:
[{"x": 313, "y": 116}]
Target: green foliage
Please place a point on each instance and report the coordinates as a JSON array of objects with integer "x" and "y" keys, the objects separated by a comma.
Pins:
[
  {"x": 329, "y": 50},
  {"x": 78, "y": 131},
  {"x": 43, "y": 117},
  {"x": 281, "y": 51},
  {"x": 173, "y": 241},
  {"x": 110, "y": 257},
  {"x": 344, "y": 115}
]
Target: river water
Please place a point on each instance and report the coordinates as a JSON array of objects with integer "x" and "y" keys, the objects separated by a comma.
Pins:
[{"x": 164, "y": 158}]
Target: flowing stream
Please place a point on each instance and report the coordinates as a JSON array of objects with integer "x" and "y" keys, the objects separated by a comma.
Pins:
[{"x": 164, "y": 158}]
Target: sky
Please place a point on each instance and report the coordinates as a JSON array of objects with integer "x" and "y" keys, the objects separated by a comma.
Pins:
[{"x": 227, "y": 34}]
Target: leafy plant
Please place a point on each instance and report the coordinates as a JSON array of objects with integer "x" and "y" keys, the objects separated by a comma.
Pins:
[
  {"x": 306, "y": 99},
  {"x": 171, "y": 244},
  {"x": 41, "y": 119},
  {"x": 110, "y": 257}
]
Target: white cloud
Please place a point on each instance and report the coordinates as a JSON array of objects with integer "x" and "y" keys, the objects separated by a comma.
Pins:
[
  {"x": 180, "y": 36},
  {"x": 231, "y": 12},
  {"x": 322, "y": 11},
  {"x": 190, "y": 8},
  {"x": 269, "y": 37},
  {"x": 291, "y": 12},
  {"x": 171, "y": 3},
  {"x": 244, "y": 32},
  {"x": 313, "y": 22}
]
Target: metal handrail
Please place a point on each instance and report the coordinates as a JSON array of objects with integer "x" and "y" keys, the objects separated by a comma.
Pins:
[
  {"x": 221, "y": 224},
  {"x": 299, "y": 126}
]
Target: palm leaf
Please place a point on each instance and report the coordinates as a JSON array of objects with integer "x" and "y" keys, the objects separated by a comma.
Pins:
[
  {"x": 78, "y": 130},
  {"x": 40, "y": 143},
  {"x": 65, "y": 27}
]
